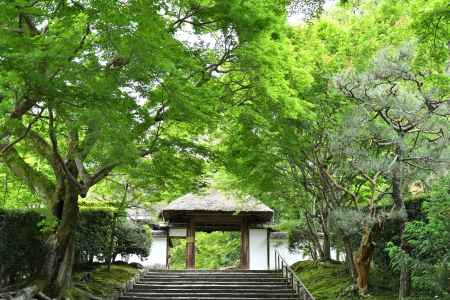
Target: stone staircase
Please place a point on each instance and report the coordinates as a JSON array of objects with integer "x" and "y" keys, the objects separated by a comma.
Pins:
[{"x": 209, "y": 285}]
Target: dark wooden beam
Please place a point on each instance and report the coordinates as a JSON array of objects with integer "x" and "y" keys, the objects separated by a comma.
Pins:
[
  {"x": 190, "y": 246},
  {"x": 245, "y": 243},
  {"x": 216, "y": 217},
  {"x": 168, "y": 246}
]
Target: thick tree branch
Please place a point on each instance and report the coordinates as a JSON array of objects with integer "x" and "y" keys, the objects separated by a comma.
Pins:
[
  {"x": 57, "y": 155},
  {"x": 23, "y": 135},
  {"x": 34, "y": 179},
  {"x": 23, "y": 107},
  {"x": 89, "y": 141},
  {"x": 101, "y": 174}
]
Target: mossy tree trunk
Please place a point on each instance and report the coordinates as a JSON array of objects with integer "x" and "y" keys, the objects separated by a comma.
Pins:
[
  {"x": 62, "y": 198},
  {"x": 58, "y": 264}
]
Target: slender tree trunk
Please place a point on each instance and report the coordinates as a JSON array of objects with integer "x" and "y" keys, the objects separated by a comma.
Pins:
[
  {"x": 363, "y": 257},
  {"x": 349, "y": 258},
  {"x": 313, "y": 252},
  {"x": 399, "y": 208},
  {"x": 57, "y": 266},
  {"x": 314, "y": 237},
  {"x": 444, "y": 274},
  {"x": 326, "y": 244},
  {"x": 405, "y": 271},
  {"x": 109, "y": 259}
]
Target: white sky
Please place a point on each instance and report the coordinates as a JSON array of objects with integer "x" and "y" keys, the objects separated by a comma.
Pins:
[
  {"x": 188, "y": 37},
  {"x": 299, "y": 18}
]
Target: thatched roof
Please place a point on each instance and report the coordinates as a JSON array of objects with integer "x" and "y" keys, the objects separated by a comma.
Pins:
[{"x": 215, "y": 201}]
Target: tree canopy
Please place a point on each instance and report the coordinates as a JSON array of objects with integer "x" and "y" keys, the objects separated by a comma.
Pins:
[{"x": 335, "y": 122}]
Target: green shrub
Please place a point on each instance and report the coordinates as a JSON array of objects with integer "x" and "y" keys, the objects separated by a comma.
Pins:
[
  {"x": 21, "y": 245},
  {"x": 23, "y": 234},
  {"x": 429, "y": 246},
  {"x": 93, "y": 234},
  {"x": 215, "y": 250},
  {"x": 132, "y": 239}
]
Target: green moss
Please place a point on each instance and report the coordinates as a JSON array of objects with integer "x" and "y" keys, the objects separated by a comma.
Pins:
[
  {"x": 102, "y": 282},
  {"x": 329, "y": 281}
]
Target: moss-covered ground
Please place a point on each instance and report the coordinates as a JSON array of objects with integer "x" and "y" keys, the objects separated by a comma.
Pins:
[
  {"x": 97, "y": 281},
  {"x": 329, "y": 281}
]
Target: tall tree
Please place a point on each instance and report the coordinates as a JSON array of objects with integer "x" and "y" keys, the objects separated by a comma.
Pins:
[
  {"x": 406, "y": 113},
  {"x": 88, "y": 87}
]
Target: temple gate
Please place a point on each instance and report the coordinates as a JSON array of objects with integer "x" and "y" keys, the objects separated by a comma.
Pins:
[{"x": 216, "y": 211}]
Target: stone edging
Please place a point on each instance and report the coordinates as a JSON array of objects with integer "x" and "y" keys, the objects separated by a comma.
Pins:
[{"x": 128, "y": 285}]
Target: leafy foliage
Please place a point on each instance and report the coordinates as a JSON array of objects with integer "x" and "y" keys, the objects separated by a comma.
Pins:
[
  {"x": 21, "y": 245},
  {"x": 132, "y": 239},
  {"x": 22, "y": 241},
  {"x": 214, "y": 250},
  {"x": 429, "y": 241}
]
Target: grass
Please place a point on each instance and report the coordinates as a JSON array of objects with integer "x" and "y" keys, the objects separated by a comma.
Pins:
[
  {"x": 102, "y": 282},
  {"x": 329, "y": 281}
]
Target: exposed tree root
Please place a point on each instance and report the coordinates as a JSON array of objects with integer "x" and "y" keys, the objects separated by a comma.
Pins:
[{"x": 29, "y": 292}]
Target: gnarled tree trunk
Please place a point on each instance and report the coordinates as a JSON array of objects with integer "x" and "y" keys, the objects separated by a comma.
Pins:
[
  {"x": 364, "y": 255},
  {"x": 58, "y": 264}
]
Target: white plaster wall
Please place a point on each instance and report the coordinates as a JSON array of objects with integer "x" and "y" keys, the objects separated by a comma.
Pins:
[
  {"x": 158, "y": 252},
  {"x": 258, "y": 249},
  {"x": 177, "y": 232},
  {"x": 282, "y": 246},
  {"x": 133, "y": 258}
]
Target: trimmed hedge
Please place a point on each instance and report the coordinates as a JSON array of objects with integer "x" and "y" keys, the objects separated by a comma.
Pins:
[
  {"x": 22, "y": 240},
  {"x": 92, "y": 235},
  {"x": 21, "y": 245}
]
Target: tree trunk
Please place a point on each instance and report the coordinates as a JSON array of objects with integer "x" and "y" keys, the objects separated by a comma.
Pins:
[
  {"x": 57, "y": 267},
  {"x": 312, "y": 252},
  {"x": 109, "y": 258},
  {"x": 405, "y": 271},
  {"x": 326, "y": 244},
  {"x": 349, "y": 258},
  {"x": 405, "y": 282},
  {"x": 399, "y": 208},
  {"x": 314, "y": 237},
  {"x": 363, "y": 257}
]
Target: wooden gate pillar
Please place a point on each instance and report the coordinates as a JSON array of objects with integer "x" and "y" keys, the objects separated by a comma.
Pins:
[
  {"x": 244, "y": 244},
  {"x": 190, "y": 246}
]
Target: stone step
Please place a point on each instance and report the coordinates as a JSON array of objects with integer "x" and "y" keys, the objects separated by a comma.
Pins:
[
  {"x": 223, "y": 289},
  {"x": 212, "y": 282},
  {"x": 193, "y": 274},
  {"x": 151, "y": 295},
  {"x": 213, "y": 274},
  {"x": 212, "y": 286},
  {"x": 196, "y": 271},
  {"x": 213, "y": 279},
  {"x": 170, "y": 277},
  {"x": 210, "y": 297},
  {"x": 209, "y": 285}
]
